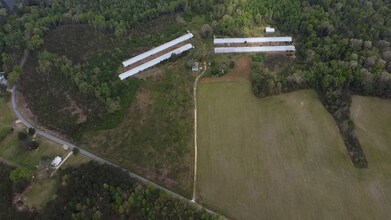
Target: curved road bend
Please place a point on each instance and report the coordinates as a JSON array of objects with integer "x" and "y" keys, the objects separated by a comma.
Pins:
[{"x": 93, "y": 156}]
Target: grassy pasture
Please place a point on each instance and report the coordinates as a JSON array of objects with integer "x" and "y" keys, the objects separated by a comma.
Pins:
[
  {"x": 10, "y": 150},
  {"x": 155, "y": 137},
  {"x": 280, "y": 157},
  {"x": 6, "y": 116},
  {"x": 41, "y": 192},
  {"x": 373, "y": 125}
]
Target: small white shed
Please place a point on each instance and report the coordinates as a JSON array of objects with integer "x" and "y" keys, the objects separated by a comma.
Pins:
[
  {"x": 3, "y": 81},
  {"x": 56, "y": 161},
  {"x": 270, "y": 30},
  {"x": 195, "y": 67}
]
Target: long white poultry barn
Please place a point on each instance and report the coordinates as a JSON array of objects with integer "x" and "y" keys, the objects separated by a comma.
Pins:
[
  {"x": 251, "y": 40},
  {"x": 157, "y": 49},
  {"x": 155, "y": 61},
  {"x": 254, "y": 49}
]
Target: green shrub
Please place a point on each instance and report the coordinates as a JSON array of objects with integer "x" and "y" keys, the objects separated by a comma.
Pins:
[
  {"x": 231, "y": 64},
  {"x": 31, "y": 131},
  {"x": 4, "y": 132},
  {"x": 22, "y": 136}
]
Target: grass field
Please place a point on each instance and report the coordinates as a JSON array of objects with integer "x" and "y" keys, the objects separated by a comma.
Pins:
[
  {"x": 372, "y": 118},
  {"x": 281, "y": 157},
  {"x": 6, "y": 116},
  {"x": 10, "y": 150},
  {"x": 41, "y": 192},
  {"x": 155, "y": 137}
]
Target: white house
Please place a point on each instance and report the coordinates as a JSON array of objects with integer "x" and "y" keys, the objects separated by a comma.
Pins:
[
  {"x": 56, "y": 161},
  {"x": 270, "y": 30}
]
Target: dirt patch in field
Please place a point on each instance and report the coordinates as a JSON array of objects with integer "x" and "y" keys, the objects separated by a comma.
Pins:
[
  {"x": 276, "y": 63},
  {"x": 23, "y": 107},
  {"x": 144, "y": 99},
  {"x": 142, "y": 104},
  {"x": 241, "y": 72},
  {"x": 75, "y": 110},
  {"x": 29, "y": 116},
  {"x": 150, "y": 73},
  {"x": 161, "y": 176}
]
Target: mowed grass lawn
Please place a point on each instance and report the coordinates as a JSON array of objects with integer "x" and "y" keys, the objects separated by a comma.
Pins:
[
  {"x": 281, "y": 157},
  {"x": 6, "y": 116},
  {"x": 12, "y": 152}
]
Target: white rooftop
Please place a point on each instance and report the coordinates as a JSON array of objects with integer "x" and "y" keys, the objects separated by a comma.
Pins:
[
  {"x": 56, "y": 161},
  {"x": 254, "y": 49},
  {"x": 3, "y": 80},
  {"x": 155, "y": 61},
  {"x": 157, "y": 49},
  {"x": 251, "y": 40},
  {"x": 270, "y": 30}
]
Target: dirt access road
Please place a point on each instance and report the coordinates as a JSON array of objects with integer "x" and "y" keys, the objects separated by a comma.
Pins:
[{"x": 195, "y": 132}]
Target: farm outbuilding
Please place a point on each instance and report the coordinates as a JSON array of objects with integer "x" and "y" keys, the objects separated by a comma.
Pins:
[
  {"x": 195, "y": 67},
  {"x": 254, "y": 49},
  {"x": 157, "y": 49},
  {"x": 270, "y": 30},
  {"x": 3, "y": 81},
  {"x": 155, "y": 61},
  {"x": 56, "y": 161}
]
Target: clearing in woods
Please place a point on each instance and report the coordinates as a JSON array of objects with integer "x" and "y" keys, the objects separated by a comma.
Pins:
[{"x": 282, "y": 157}]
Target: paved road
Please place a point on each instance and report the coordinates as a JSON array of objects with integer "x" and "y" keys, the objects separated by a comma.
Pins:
[{"x": 93, "y": 156}]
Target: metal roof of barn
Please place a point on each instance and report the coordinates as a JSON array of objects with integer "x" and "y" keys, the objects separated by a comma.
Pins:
[
  {"x": 251, "y": 40},
  {"x": 157, "y": 49},
  {"x": 155, "y": 61},
  {"x": 254, "y": 49}
]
